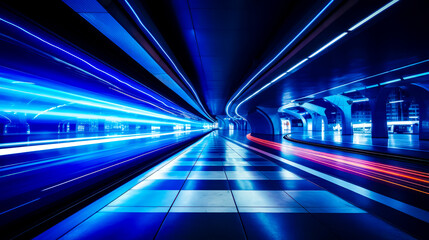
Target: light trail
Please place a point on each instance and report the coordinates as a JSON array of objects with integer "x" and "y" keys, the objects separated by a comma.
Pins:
[
  {"x": 27, "y": 149},
  {"x": 398, "y": 176},
  {"x": 377, "y": 197}
]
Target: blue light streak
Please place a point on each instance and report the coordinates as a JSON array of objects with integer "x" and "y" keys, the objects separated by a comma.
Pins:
[
  {"x": 360, "y": 100},
  {"x": 169, "y": 58},
  {"x": 336, "y": 39},
  {"x": 36, "y": 148},
  {"x": 328, "y": 44},
  {"x": 416, "y": 75},
  {"x": 389, "y": 82},
  {"x": 78, "y": 58},
  {"x": 47, "y": 104},
  {"x": 51, "y": 94},
  {"x": 275, "y": 57},
  {"x": 369, "y": 77},
  {"x": 373, "y": 15},
  {"x": 373, "y": 86},
  {"x": 297, "y": 65}
]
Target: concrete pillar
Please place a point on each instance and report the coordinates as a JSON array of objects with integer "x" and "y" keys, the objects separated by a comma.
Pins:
[
  {"x": 424, "y": 120},
  {"x": 421, "y": 93},
  {"x": 274, "y": 117},
  {"x": 317, "y": 114},
  {"x": 377, "y": 100},
  {"x": 345, "y": 106},
  {"x": 264, "y": 121},
  {"x": 221, "y": 122}
]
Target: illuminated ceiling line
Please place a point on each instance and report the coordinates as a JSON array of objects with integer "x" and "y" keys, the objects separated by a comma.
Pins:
[
  {"x": 336, "y": 39},
  {"x": 169, "y": 58},
  {"x": 14, "y": 144},
  {"x": 274, "y": 58},
  {"x": 376, "y": 75},
  {"x": 77, "y": 57},
  {"x": 115, "y": 32}
]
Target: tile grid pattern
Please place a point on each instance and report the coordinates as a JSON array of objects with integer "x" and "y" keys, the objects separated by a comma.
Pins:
[{"x": 224, "y": 189}]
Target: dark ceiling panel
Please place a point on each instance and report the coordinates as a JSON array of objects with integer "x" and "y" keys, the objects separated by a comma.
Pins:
[
  {"x": 220, "y": 42},
  {"x": 396, "y": 39}
]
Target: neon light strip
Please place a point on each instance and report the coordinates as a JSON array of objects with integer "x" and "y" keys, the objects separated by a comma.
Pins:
[
  {"x": 391, "y": 81},
  {"x": 328, "y": 44},
  {"x": 93, "y": 116},
  {"x": 27, "y": 149},
  {"x": 365, "y": 78},
  {"x": 417, "y": 75},
  {"x": 78, "y": 58},
  {"x": 19, "y": 206},
  {"x": 390, "y": 202},
  {"x": 275, "y": 57},
  {"x": 394, "y": 175},
  {"x": 171, "y": 61},
  {"x": 297, "y": 65},
  {"x": 92, "y": 102},
  {"x": 61, "y": 140},
  {"x": 312, "y": 55},
  {"x": 373, "y": 15},
  {"x": 360, "y": 100}
]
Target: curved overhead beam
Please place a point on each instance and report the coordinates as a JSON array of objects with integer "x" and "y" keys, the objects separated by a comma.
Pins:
[
  {"x": 275, "y": 58},
  {"x": 106, "y": 19},
  {"x": 316, "y": 53}
]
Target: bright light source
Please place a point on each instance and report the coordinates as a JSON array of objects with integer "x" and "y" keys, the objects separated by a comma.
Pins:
[
  {"x": 297, "y": 65},
  {"x": 391, "y": 81},
  {"x": 360, "y": 100},
  {"x": 317, "y": 52},
  {"x": 373, "y": 15},
  {"x": 416, "y": 76},
  {"x": 275, "y": 57},
  {"x": 328, "y": 44},
  {"x": 373, "y": 86},
  {"x": 396, "y": 101}
]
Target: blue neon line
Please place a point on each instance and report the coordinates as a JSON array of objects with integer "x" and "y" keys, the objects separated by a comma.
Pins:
[
  {"x": 317, "y": 52},
  {"x": 391, "y": 81},
  {"x": 86, "y": 62},
  {"x": 373, "y": 86},
  {"x": 82, "y": 60},
  {"x": 416, "y": 75},
  {"x": 275, "y": 57},
  {"x": 373, "y": 15},
  {"x": 360, "y": 100},
  {"x": 365, "y": 78},
  {"x": 328, "y": 44},
  {"x": 171, "y": 61},
  {"x": 297, "y": 65},
  {"x": 19, "y": 206}
]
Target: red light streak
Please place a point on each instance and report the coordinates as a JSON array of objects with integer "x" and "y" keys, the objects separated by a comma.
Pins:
[{"x": 399, "y": 176}]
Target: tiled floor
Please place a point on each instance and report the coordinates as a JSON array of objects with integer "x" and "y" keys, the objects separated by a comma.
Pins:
[{"x": 218, "y": 190}]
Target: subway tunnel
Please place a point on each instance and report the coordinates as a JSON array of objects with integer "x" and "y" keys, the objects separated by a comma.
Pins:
[{"x": 204, "y": 119}]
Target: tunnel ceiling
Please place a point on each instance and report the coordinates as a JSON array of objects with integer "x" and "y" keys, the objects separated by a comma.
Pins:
[
  {"x": 220, "y": 42},
  {"x": 390, "y": 46}
]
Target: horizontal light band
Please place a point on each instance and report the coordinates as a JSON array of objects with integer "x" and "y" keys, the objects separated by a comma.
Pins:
[{"x": 27, "y": 149}]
